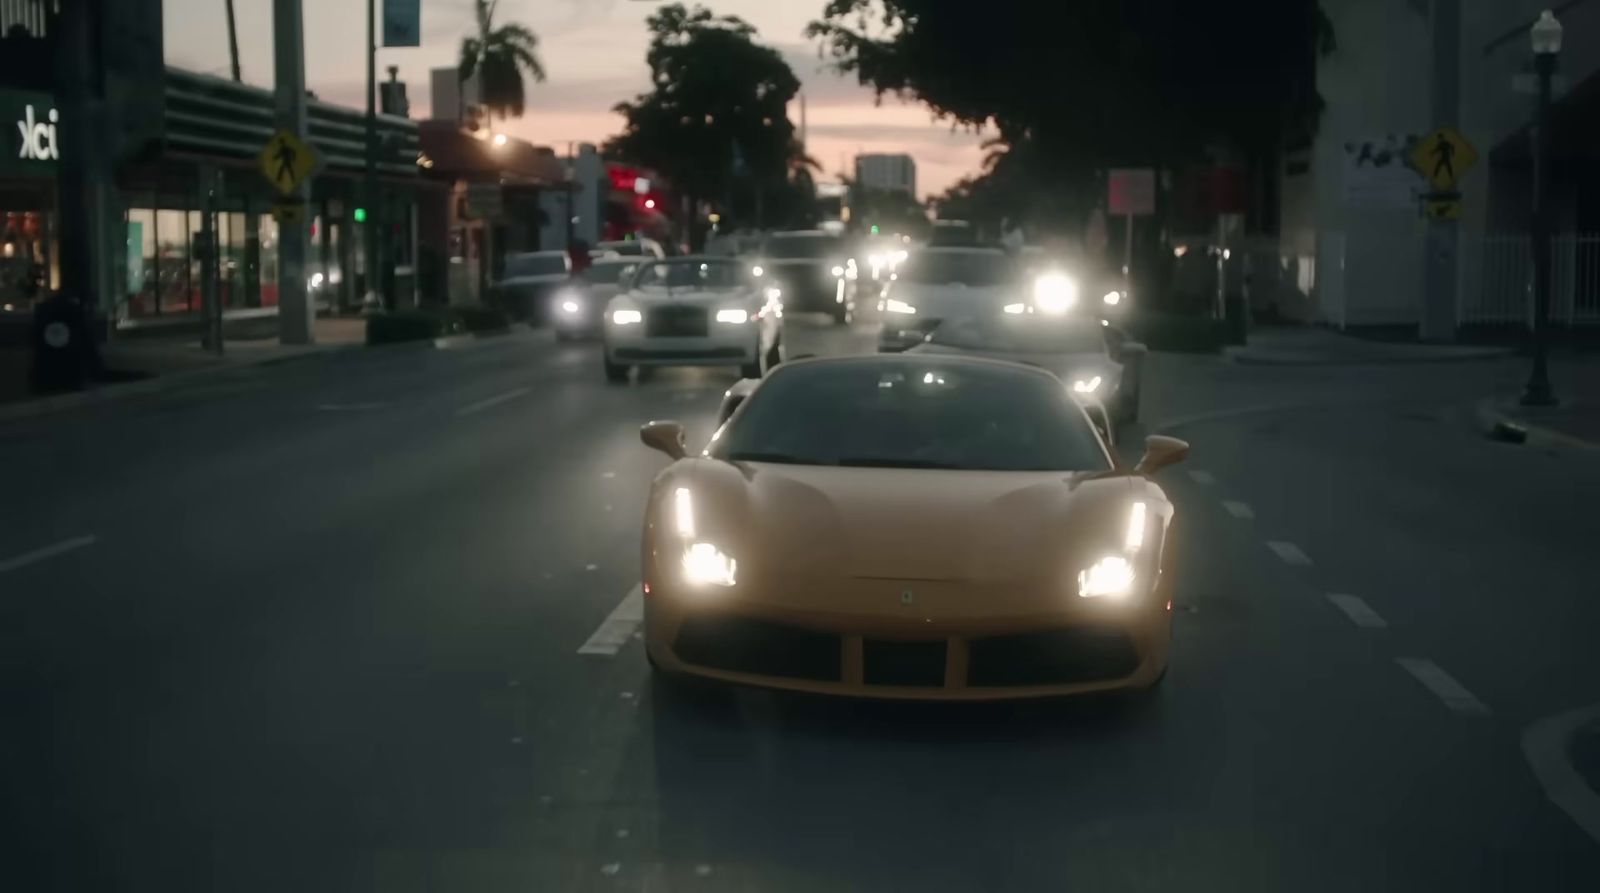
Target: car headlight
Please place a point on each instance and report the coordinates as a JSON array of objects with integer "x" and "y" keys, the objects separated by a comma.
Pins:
[
  {"x": 774, "y": 293},
  {"x": 1113, "y": 298},
  {"x": 1054, "y": 292},
  {"x": 626, "y": 317},
  {"x": 570, "y": 307},
  {"x": 1087, "y": 385},
  {"x": 733, "y": 315},
  {"x": 894, "y": 306},
  {"x": 1014, "y": 308},
  {"x": 1110, "y": 577},
  {"x": 838, "y": 270},
  {"x": 315, "y": 281},
  {"x": 757, "y": 272},
  {"x": 703, "y": 563}
]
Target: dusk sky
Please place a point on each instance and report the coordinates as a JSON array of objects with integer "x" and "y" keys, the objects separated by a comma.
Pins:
[{"x": 593, "y": 51}]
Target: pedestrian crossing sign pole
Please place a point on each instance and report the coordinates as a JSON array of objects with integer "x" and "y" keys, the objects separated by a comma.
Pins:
[{"x": 287, "y": 161}]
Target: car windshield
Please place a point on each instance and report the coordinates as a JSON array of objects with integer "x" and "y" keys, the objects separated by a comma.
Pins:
[
  {"x": 717, "y": 273},
  {"x": 803, "y": 247},
  {"x": 979, "y": 268},
  {"x": 1020, "y": 333},
  {"x": 608, "y": 273},
  {"x": 629, "y": 248},
  {"x": 896, "y": 414},
  {"x": 543, "y": 264}
]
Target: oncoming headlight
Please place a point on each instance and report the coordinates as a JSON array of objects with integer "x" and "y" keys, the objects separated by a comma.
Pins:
[
  {"x": 1054, "y": 292},
  {"x": 733, "y": 316},
  {"x": 626, "y": 317},
  {"x": 1087, "y": 385},
  {"x": 1113, "y": 298},
  {"x": 1111, "y": 576},
  {"x": 894, "y": 306}
]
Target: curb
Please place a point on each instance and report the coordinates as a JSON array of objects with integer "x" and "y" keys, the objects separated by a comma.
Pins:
[
  {"x": 1242, "y": 357},
  {"x": 1489, "y": 415}
]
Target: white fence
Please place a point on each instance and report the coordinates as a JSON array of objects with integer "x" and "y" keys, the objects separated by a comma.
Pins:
[{"x": 1504, "y": 292}]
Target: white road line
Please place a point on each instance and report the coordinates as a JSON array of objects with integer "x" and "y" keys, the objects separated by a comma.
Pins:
[
  {"x": 1238, "y": 509},
  {"x": 481, "y": 405},
  {"x": 1357, "y": 610},
  {"x": 61, "y": 548},
  {"x": 1290, "y": 553},
  {"x": 1547, "y": 746},
  {"x": 1452, "y": 693},
  {"x": 618, "y": 627},
  {"x": 1203, "y": 478}
]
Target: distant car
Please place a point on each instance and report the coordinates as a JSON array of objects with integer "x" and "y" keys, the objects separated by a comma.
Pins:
[
  {"x": 635, "y": 248},
  {"x": 530, "y": 278},
  {"x": 580, "y": 306},
  {"x": 909, "y": 527},
  {"x": 1090, "y": 289},
  {"x": 735, "y": 245},
  {"x": 934, "y": 284},
  {"x": 814, "y": 269},
  {"x": 694, "y": 311},
  {"x": 1096, "y": 362}
]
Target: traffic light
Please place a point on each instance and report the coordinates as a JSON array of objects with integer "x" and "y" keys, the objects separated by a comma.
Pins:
[
  {"x": 360, "y": 215},
  {"x": 874, "y": 229}
]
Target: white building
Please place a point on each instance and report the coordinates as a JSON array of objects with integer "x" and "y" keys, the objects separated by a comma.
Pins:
[
  {"x": 893, "y": 173},
  {"x": 1352, "y": 230}
]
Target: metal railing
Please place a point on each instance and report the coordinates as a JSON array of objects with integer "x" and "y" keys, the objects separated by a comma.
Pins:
[{"x": 1504, "y": 292}]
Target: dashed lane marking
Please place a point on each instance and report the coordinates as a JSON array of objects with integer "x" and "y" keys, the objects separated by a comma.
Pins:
[
  {"x": 1547, "y": 744},
  {"x": 1357, "y": 610},
  {"x": 47, "y": 552},
  {"x": 1443, "y": 685},
  {"x": 1290, "y": 553},
  {"x": 1238, "y": 509},
  {"x": 618, "y": 627},
  {"x": 1203, "y": 478},
  {"x": 496, "y": 400}
]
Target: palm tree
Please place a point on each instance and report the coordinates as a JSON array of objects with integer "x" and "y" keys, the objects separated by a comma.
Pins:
[{"x": 499, "y": 56}]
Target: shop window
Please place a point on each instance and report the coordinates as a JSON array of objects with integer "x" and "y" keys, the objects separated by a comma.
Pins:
[
  {"x": 143, "y": 282},
  {"x": 172, "y": 262}
]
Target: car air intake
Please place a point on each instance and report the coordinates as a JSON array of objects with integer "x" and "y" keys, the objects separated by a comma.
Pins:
[{"x": 675, "y": 322}]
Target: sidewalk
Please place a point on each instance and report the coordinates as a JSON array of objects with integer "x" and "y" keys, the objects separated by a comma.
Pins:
[
  {"x": 150, "y": 363},
  {"x": 1315, "y": 346},
  {"x": 1572, "y": 423}
]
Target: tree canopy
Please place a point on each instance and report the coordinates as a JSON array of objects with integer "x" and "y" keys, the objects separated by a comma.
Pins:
[
  {"x": 500, "y": 56},
  {"x": 716, "y": 116}
]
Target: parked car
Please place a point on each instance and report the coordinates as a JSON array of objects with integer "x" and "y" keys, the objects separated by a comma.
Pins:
[
  {"x": 634, "y": 248},
  {"x": 529, "y": 281},
  {"x": 694, "y": 311}
]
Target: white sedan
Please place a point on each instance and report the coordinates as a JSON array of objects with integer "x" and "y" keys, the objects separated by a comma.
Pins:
[{"x": 694, "y": 311}]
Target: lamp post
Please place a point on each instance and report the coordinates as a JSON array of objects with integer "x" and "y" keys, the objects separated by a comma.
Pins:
[{"x": 1546, "y": 36}]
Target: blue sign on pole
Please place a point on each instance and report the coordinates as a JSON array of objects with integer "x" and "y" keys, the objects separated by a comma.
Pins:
[{"x": 402, "y": 23}]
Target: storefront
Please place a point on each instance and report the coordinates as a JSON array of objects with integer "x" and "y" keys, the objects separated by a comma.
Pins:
[
  {"x": 213, "y": 132},
  {"x": 29, "y": 157}
]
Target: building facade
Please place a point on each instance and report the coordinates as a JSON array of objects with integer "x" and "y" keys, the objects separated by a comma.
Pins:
[
  {"x": 890, "y": 173},
  {"x": 1353, "y": 232}
]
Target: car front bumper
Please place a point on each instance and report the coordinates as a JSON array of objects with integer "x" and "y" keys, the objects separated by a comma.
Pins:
[
  {"x": 898, "y": 653},
  {"x": 723, "y": 345}
]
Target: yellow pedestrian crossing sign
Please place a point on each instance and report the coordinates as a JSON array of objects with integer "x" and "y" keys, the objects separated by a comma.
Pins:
[
  {"x": 1443, "y": 158},
  {"x": 287, "y": 160}
]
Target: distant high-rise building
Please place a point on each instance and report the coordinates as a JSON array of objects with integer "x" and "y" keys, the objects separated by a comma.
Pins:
[{"x": 888, "y": 172}]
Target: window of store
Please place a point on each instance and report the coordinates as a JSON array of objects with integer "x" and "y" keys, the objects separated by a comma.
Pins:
[{"x": 172, "y": 262}]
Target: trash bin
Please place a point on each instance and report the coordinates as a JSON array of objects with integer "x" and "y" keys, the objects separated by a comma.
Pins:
[{"x": 65, "y": 355}]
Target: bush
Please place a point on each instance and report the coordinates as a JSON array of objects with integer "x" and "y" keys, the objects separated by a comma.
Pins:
[{"x": 431, "y": 323}]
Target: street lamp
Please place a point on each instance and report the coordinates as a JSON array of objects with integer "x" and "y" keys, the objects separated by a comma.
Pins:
[{"x": 1546, "y": 37}]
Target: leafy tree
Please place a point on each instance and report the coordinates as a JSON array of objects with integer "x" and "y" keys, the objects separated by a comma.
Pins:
[
  {"x": 715, "y": 122},
  {"x": 1074, "y": 86},
  {"x": 500, "y": 56}
]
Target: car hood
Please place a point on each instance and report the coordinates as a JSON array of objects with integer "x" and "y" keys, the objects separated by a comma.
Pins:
[
  {"x": 541, "y": 280},
  {"x": 797, "y": 521},
  {"x": 945, "y": 300}
]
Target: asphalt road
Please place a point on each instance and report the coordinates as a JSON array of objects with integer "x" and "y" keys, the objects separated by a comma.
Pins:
[{"x": 319, "y": 628}]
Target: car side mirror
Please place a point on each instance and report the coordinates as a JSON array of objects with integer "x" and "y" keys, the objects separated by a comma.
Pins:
[
  {"x": 667, "y": 437},
  {"x": 1161, "y": 451}
]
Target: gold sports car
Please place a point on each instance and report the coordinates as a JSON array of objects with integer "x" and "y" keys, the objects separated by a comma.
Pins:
[{"x": 899, "y": 526}]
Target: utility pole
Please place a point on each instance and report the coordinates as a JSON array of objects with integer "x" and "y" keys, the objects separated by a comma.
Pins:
[
  {"x": 1546, "y": 35},
  {"x": 233, "y": 44},
  {"x": 288, "y": 39},
  {"x": 83, "y": 183},
  {"x": 374, "y": 203},
  {"x": 1443, "y": 242}
]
